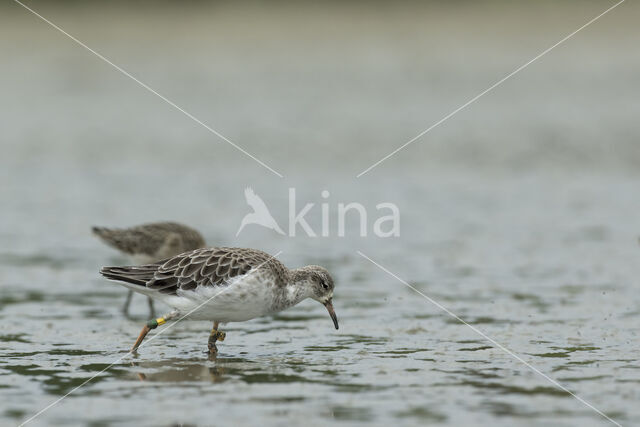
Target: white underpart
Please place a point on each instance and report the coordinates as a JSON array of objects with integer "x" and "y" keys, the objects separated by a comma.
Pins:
[
  {"x": 291, "y": 292},
  {"x": 242, "y": 298}
]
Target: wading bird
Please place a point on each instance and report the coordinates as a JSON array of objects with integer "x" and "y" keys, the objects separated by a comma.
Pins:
[{"x": 224, "y": 285}]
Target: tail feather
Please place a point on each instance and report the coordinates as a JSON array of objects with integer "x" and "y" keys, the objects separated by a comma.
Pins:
[
  {"x": 99, "y": 231},
  {"x": 136, "y": 275},
  {"x": 110, "y": 236},
  {"x": 121, "y": 239},
  {"x": 106, "y": 234}
]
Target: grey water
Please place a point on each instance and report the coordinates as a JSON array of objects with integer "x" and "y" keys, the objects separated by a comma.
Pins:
[{"x": 520, "y": 215}]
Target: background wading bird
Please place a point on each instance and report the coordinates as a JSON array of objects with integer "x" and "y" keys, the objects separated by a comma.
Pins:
[{"x": 149, "y": 243}]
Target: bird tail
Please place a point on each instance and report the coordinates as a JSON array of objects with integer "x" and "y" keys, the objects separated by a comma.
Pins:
[
  {"x": 113, "y": 237},
  {"x": 101, "y": 232},
  {"x": 131, "y": 275}
]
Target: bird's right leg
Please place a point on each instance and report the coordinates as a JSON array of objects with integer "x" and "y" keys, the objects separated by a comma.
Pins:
[
  {"x": 127, "y": 303},
  {"x": 152, "y": 324},
  {"x": 152, "y": 310}
]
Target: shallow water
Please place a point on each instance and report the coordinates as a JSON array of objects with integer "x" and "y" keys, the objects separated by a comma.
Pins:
[{"x": 521, "y": 221}]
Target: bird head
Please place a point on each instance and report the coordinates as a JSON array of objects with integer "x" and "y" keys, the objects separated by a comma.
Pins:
[{"x": 319, "y": 285}]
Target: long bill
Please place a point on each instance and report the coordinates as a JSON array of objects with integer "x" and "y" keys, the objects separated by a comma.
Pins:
[{"x": 332, "y": 312}]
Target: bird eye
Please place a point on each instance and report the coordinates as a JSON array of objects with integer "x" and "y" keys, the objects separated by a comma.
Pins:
[{"x": 324, "y": 285}]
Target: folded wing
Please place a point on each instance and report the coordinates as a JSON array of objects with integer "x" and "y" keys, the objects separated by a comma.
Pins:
[{"x": 201, "y": 267}]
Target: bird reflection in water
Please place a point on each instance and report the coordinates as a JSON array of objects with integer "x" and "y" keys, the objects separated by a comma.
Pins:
[{"x": 179, "y": 370}]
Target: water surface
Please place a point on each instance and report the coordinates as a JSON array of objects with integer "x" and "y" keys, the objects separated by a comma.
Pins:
[{"x": 520, "y": 215}]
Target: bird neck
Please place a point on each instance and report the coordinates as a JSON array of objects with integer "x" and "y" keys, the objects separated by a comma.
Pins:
[
  {"x": 298, "y": 287},
  {"x": 298, "y": 275}
]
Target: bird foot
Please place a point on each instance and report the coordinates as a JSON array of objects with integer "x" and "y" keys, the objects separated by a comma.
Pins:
[{"x": 215, "y": 336}]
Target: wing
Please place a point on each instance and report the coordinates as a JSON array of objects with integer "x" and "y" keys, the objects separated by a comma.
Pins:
[
  {"x": 211, "y": 267},
  {"x": 148, "y": 239},
  {"x": 189, "y": 238},
  {"x": 130, "y": 240}
]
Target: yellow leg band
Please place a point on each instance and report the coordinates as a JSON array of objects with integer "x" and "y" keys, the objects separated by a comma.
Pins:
[{"x": 154, "y": 323}]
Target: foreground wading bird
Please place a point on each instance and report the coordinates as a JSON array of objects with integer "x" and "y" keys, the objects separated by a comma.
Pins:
[
  {"x": 224, "y": 285},
  {"x": 149, "y": 243}
]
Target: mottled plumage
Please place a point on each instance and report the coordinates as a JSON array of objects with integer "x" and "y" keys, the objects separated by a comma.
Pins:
[
  {"x": 201, "y": 267},
  {"x": 151, "y": 242},
  {"x": 226, "y": 284}
]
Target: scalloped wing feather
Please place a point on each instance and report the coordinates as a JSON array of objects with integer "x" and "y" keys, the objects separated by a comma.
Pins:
[{"x": 211, "y": 267}]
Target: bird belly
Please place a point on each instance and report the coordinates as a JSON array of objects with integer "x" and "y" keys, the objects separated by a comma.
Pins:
[{"x": 238, "y": 301}]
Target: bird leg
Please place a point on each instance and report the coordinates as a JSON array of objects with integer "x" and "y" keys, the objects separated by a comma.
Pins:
[
  {"x": 215, "y": 336},
  {"x": 152, "y": 324},
  {"x": 127, "y": 303},
  {"x": 152, "y": 311}
]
